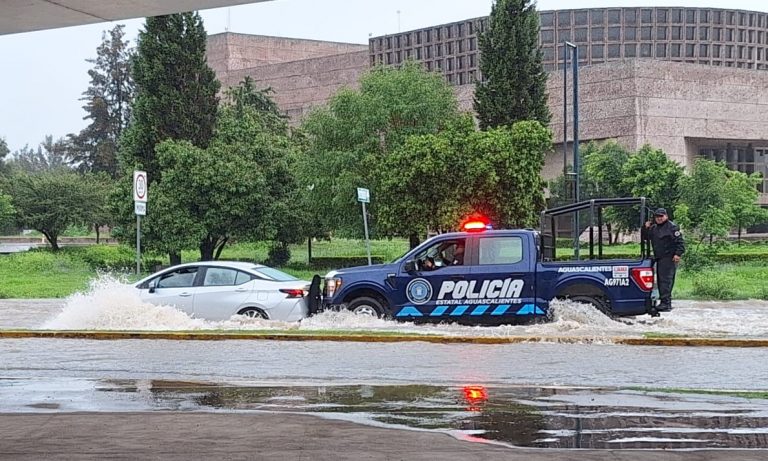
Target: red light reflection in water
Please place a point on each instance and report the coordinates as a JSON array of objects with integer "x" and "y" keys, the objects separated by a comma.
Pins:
[{"x": 475, "y": 396}]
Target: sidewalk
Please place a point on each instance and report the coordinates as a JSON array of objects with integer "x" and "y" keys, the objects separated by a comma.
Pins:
[{"x": 225, "y": 436}]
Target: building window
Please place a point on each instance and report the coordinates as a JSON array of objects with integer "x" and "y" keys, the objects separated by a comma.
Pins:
[
  {"x": 580, "y": 35},
  {"x": 717, "y": 34},
  {"x": 630, "y": 50},
  {"x": 418, "y": 54},
  {"x": 614, "y": 34},
  {"x": 690, "y": 16},
  {"x": 630, "y": 33},
  {"x": 449, "y": 31},
  {"x": 449, "y": 48},
  {"x": 438, "y": 34},
  {"x": 614, "y": 16},
  {"x": 547, "y": 36},
  {"x": 439, "y": 64},
  {"x": 597, "y": 51},
  {"x": 439, "y": 50},
  {"x": 729, "y": 35},
  {"x": 630, "y": 16},
  {"x": 661, "y": 15},
  {"x": 473, "y": 60},
  {"x": 547, "y": 19},
  {"x": 703, "y": 33},
  {"x": 472, "y": 43},
  {"x": 389, "y": 43},
  {"x": 742, "y": 35},
  {"x": 677, "y": 33},
  {"x": 580, "y": 18},
  {"x": 647, "y": 16},
  {"x": 462, "y": 79},
  {"x": 717, "y": 17},
  {"x": 399, "y": 57},
  {"x": 690, "y": 33},
  {"x": 564, "y": 35},
  {"x": 715, "y": 51},
  {"x": 461, "y": 30},
  {"x": 429, "y": 66},
  {"x": 449, "y": 64},
  {"x": 563, "y": 18},
  {"x": 428, "y": 52},
  {"x": 428, "y": 34},
  {"x": 460, "y": 62},
  {"x": 704, "y": 16},
  {"x": 729, "y": 51},
  {"x": 614, "y": 51},
  {"x": 674, "y": 50},
  {"x": 470, "y": 28},
  {"x": 597, "y": 34},
  {"x": 645, "y": 50},
  {"x": 418, "y": 38},
  {"x": 677, "y": 16},
  {"x": 661, "y": 33},
  {"x": 647, "y": 33},
  {"x": 598, "y": 17},
  {"x": 661, "y": 50},
  {"x": 389, "y": 58},
  {"x": 731, "y": 18},
  {"x": 460, "y": 45},
  {"x": 703, "y": 51},
  {"x": 690, "y": 49}
]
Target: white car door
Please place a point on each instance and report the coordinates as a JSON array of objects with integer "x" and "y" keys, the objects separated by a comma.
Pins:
[
  {"x": 222, "y": 293},
  {"x": 175, "y": 288}
]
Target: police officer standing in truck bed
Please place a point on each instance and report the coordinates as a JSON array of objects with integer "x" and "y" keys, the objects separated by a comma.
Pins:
[{"x": 668, "y": 247}]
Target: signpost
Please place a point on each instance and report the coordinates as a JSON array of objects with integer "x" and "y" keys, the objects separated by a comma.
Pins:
[
  {"x": 140, "y": 208},
  {"x": 364, "y": 196}
]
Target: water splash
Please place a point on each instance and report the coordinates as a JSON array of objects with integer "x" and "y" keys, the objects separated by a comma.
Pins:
[{"x": 113, "y": 304}]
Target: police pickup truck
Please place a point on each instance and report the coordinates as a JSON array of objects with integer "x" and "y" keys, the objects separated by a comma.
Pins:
[{"x": 485, "y": 276}]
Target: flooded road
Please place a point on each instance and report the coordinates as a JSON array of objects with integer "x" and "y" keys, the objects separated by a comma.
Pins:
[{"x": 591, "y": 395}]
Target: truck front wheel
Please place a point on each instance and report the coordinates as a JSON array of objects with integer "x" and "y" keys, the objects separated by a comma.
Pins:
[{"x": 366, "y": 306}]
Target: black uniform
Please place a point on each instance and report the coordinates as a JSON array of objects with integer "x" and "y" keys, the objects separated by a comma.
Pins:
[{"x": 667, "y": 241}]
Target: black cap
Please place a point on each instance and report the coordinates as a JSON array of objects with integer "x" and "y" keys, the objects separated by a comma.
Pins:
[{"x": 660, "y": 211}]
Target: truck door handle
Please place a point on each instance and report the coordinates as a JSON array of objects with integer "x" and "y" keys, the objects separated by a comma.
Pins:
[
  {"x": 456, "y": 278},
  {"x": 185, "y": 294}
]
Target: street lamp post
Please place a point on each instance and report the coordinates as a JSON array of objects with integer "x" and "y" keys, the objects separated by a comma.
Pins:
[{"x": 568, "y": 46}]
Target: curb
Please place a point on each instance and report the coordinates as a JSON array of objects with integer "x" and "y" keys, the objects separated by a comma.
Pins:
[{"x": 367, "y": 337}]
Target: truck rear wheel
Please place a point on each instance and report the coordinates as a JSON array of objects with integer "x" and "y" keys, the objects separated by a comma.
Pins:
[
  {"x": 366, "y": 306},
  {"x": 596, "y": 302}
]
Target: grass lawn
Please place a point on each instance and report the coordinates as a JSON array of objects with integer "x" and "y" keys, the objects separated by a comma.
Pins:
[{"x": 42, "y": 274}]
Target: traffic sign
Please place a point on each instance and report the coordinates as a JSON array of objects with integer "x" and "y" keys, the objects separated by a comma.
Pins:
[
  {"x": 363, "y": 195},
  {"x": 140, "y": 186},
  {"x": 140, "y": 208}
]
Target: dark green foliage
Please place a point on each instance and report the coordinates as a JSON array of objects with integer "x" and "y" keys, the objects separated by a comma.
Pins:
[
  {"x": 338, "y": 262},
  {"x": 279, "y": 255},
  {"x": 51, "y": 201},
  {"x": 49, "y": 155},
  {"x": 514, "y": 81},
  {"x": 107, "y": 104},
  {"x": 434, "y": 181},
  {"x": 346, "y": 141},
  {"x": 175, "y": 91}
]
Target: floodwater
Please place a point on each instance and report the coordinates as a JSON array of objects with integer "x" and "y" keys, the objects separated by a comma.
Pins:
[
  {"x": 593, "y": 394},
  {"x": 111, "y": 305},
  {"x": 542, "y": 417}
]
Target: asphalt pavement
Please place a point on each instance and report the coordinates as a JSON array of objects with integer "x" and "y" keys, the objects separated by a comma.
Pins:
[{"x": 255, "y": 436}]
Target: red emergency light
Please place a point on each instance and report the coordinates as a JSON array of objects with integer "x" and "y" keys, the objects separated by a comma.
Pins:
[{"x": 476, "y": 223}]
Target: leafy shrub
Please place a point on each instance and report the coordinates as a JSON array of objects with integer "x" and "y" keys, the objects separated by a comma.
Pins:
[
  {"x": 279, "y": 255},
  {"x": 700, "y": 257},
  {"x": 713, "y": 286}
]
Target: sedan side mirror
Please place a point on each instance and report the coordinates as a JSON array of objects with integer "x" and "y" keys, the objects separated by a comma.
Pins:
[
  {"x": 410, "y": 266},
  {"x": 152, "y": 286}
]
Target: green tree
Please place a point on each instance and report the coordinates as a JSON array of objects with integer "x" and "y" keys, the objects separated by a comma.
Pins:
[
  {"x": 107, "y": 105},
  {"x": 742, "y": 194},
  {"x": 434, "y": 181},
  {"x": 705, "y": 200},
  {"x": 651, "y": 174},
  {"x": 49, "y": 155},
  {"x": 7, "y": 212},
  {"x": 346, "y": 141},
  {"x": 4, "y": 151},
  {"x": 175, "y": 100},
  {"x": 514, "y": 82},
  {"x": 50, "y": 201}
]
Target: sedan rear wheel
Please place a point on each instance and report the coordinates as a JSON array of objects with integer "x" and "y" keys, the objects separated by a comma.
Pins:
[{"x": 253, "y": 313}]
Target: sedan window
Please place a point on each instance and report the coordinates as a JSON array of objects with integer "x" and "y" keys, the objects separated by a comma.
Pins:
[
  {"x": 219, "y": 276},
  {"x": 184, "y": 277}
]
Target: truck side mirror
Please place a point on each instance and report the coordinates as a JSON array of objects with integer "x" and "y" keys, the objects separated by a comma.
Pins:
[{"x": 410, "y": 266}]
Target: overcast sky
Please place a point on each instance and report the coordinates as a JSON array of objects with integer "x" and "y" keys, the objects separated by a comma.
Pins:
[{"x": 43, "y": 74}]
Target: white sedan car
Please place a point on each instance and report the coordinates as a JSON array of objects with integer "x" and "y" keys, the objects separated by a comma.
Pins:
[{"x": 217, "y": 290}]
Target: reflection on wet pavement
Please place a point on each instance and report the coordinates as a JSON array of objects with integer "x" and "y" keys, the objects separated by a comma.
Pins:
[{"x": 543, "y": 417}]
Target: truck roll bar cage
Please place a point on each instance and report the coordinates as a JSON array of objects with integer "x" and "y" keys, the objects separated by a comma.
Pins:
[{"x": 595, "y": 207}]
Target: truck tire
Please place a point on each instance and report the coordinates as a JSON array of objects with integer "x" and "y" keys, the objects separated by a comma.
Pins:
[
  {"x": 596, "y": 302},
  {"x": 366, "y": 306}
]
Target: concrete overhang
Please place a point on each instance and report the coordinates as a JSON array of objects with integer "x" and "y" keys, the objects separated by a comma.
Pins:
[{"x": 27, "y": 15}]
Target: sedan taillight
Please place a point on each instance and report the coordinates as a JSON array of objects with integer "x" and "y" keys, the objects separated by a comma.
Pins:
[
  {"x": 293, "y": 292},
  {"x": 643, "y": 276}
]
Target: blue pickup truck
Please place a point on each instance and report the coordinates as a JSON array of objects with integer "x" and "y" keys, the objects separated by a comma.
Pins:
[{"x": 486, "y": 276}]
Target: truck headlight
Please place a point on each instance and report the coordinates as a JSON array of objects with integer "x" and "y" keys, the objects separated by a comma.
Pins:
[{"x": 332, "y": 285}]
